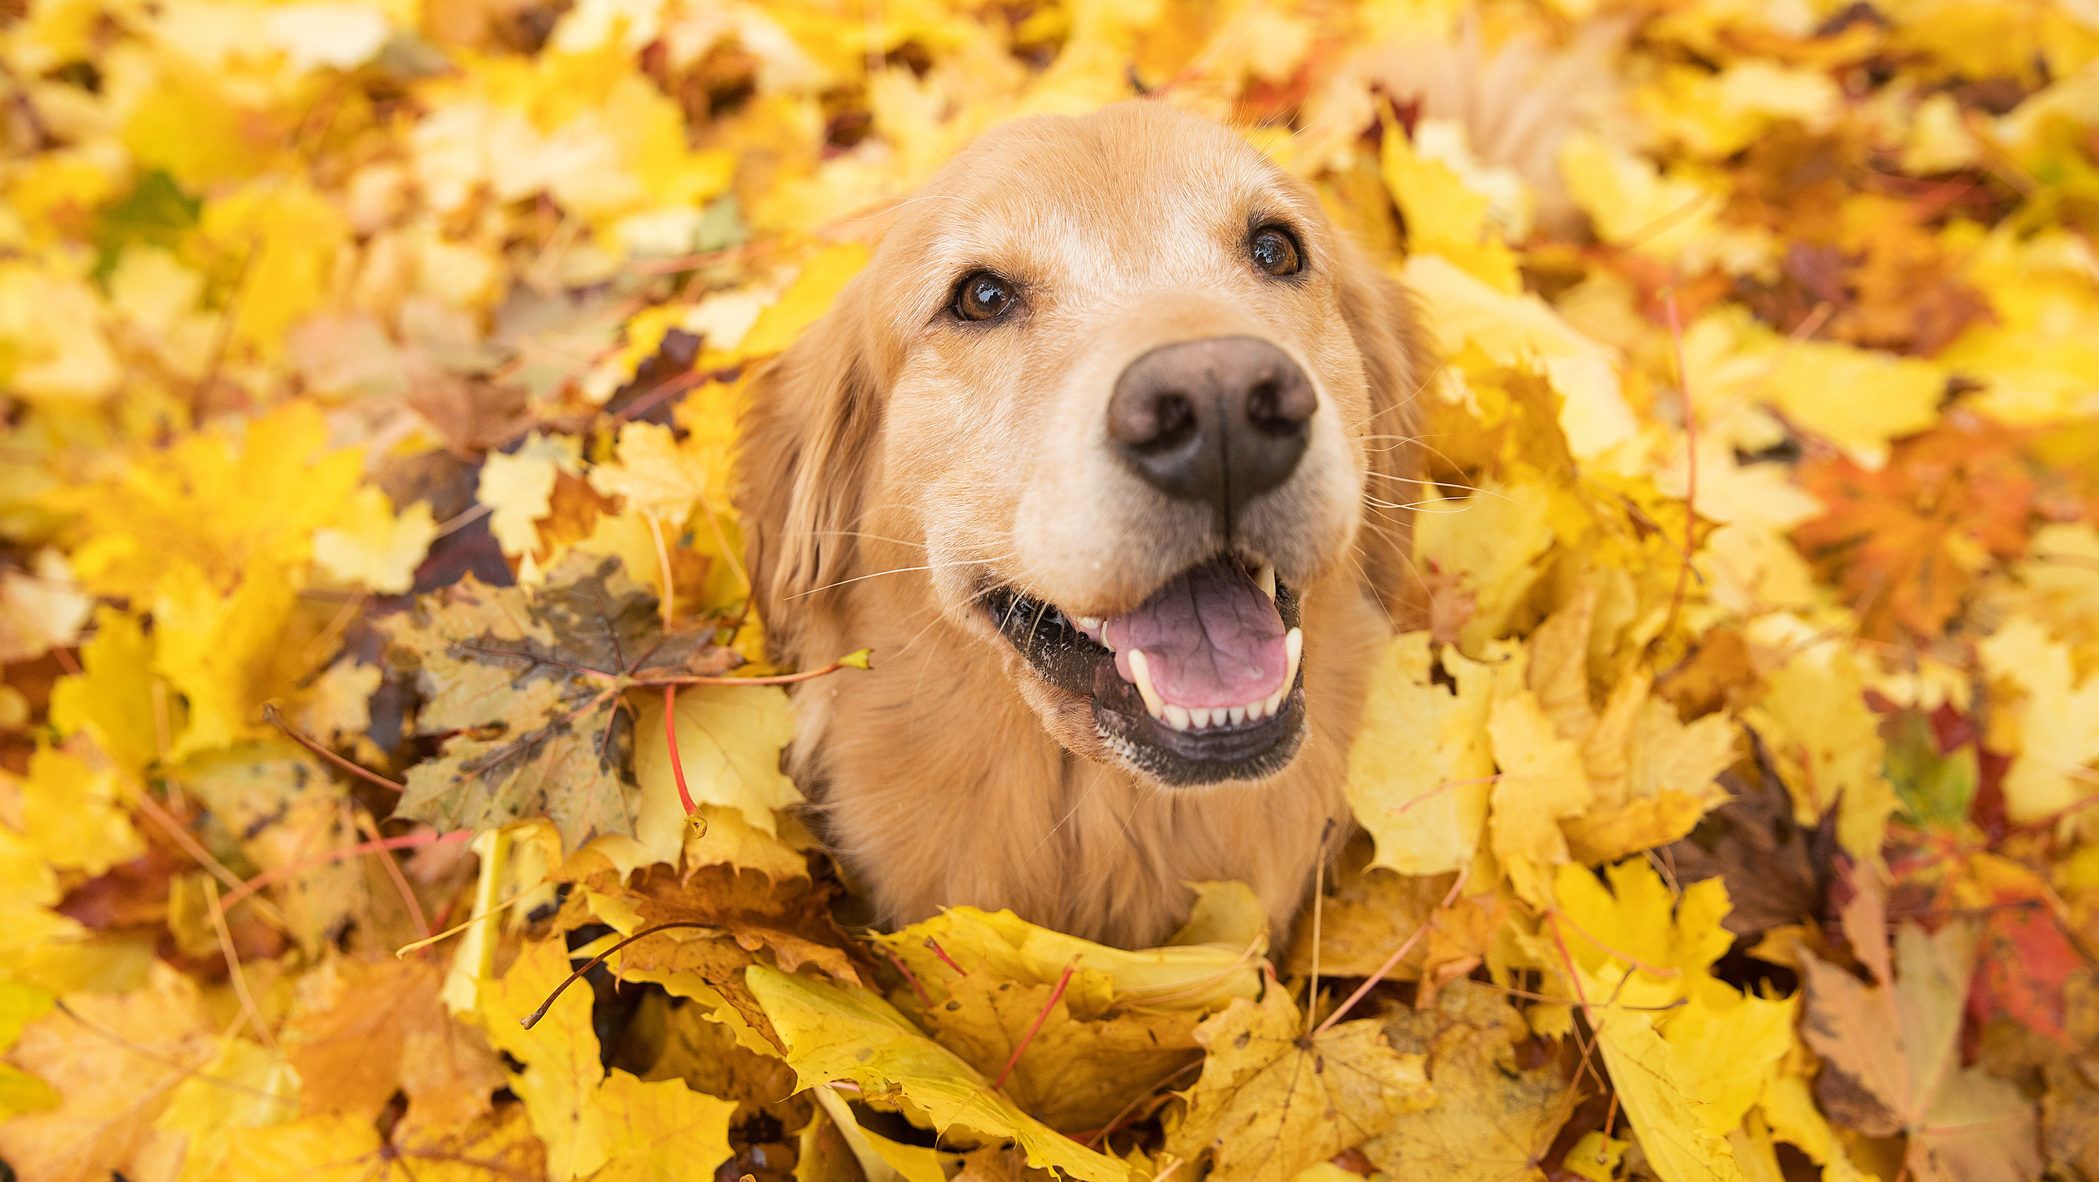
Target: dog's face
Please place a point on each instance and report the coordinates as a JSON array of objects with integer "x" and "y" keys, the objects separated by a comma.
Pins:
[{"x": 1126, "y": 386}]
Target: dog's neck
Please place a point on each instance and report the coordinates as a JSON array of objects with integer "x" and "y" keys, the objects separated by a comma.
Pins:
[{"x": 937, "y": 785}]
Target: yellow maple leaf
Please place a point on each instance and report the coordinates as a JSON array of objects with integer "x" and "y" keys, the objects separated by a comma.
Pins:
[
  {"x": 815, "y": 288},
  {"x": 72, "y": 815},
  {"x": 1541, "y": 782},
  {"x": 229, "y": 504},
  {"x": 1517, "y": 330},
  {"x": 1442, "y": 212},
  {"x": 833, "y": 1033},
  {"x": 115, "y": 699},
  {"x": 2057, "y": 720},
  {"x": 54, "y": 345},
  {"x": 1814, "y": 719},
  {"x": 372, "y": 546},
  {"x": 1495, "y": 1116},
  {"x": 1123, "y": 1020},
  {"x": 518, "y": 488},
  {"x": 1420, "y": 773},
  {"x": 1858, "y": 399},
  {"x": 40, "y": 609},
  {"x": 225, "y": 655},
  {"x": 278, "y": 238},
  {"x": 591, "y": 1118},
  {"x": 658, "y": 477},
  {"x": 1272, "y": 1100},
  {"x": 729, "y": 739}
]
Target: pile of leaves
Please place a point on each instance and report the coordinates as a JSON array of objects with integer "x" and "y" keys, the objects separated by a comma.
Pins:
[{"x": 379, "y": 672}]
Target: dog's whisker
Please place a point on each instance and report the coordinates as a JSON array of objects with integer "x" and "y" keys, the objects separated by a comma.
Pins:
[
  {"x": 903, "y": 570},
  {"x": 1422, "y": 507},
  {"x": 1426, "y": 483}
]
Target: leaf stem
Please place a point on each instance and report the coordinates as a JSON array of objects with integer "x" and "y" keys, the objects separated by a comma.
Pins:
[
  {"x": 670, "y": 740},
  {"x": 1035, "y": 1027}
]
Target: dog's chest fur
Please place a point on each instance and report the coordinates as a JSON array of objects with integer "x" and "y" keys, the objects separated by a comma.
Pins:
[{"x": 938, "y": 786}]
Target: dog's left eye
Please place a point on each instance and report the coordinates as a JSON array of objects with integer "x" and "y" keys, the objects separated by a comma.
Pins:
[
  {"x": 1275, "y": 250},
  {"x": 982, "y": 296}
]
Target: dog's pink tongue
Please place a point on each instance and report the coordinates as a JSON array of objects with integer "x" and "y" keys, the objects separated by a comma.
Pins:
[{"x": 1210, "y": 638}]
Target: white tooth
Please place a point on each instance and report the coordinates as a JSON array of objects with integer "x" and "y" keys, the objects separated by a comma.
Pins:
[
  {"x": 1200, "y": 716},
  {"x": 1177, "y": 717},
  {"x": 1237, "y": 714},
  {"x": 1274, "y": 704},
  {"x": 1294, "y": 646},
  {"x": 1141, "y": 673},
  {"x": 1255, "y": 711},
  {"x": 1090, "y": 623},
  {"x": 1267, "y": 580}
]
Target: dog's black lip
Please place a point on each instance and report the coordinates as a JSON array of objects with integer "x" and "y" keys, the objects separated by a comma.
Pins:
[{"x": 1071, "y": 661}]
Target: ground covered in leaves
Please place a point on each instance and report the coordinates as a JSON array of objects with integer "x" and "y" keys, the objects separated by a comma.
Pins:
[{"x": 369, "y": 591}]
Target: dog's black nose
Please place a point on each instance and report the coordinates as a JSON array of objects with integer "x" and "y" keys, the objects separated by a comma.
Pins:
[{"x": 1218, "y": 421}]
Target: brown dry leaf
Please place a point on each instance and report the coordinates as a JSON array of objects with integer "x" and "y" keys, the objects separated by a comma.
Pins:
[
  {"x": 1776, "y": 872},
  {"x": 1891, "y": 1063},
  {"x": 1370, "y": 912},
  {"x": 363, "y": 1030},
  {"x": 1481, "y": 1061},
  {"x": 113, "y": 1059},
  {"x": 526, "y": 686},
  {"x": 1906, "y": 542},
  {"x": 1273, "y": 1099}
]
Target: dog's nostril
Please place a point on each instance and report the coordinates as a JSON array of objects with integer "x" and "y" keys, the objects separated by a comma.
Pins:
[
  {"x": 1175, "y": 419},
  {"x": 1263, "y": 406}
]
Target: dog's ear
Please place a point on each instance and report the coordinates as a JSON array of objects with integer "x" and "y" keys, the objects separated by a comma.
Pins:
[
  {"x": 809, "y": 432},
  {"x": 1385, "y": 319}
]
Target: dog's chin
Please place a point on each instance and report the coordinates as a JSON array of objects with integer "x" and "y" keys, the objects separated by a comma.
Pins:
[{"x": 1093, "y": 710}]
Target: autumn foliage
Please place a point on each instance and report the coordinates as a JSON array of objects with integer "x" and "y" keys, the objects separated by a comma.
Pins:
[{"x": 373, "y": 613}]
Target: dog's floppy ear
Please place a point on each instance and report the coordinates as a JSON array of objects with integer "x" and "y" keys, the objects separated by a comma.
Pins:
[
  {"x": 809, "y": 433},
  {"x": 1385, "y": 319}
]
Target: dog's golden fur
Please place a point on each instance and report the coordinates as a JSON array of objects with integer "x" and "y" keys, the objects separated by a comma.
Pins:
[{"x": 894, "y": 459}]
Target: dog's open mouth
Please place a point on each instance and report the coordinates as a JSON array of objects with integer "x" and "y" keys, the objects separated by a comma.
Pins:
[{"x": 1198, "y": 684}]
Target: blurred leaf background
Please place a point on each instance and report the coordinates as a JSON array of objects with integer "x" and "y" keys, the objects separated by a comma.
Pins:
[{"x": 1732, "y": 817}]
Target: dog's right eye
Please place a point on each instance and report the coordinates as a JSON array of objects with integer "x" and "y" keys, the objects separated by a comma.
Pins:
[{"x": 982, "y": 296}]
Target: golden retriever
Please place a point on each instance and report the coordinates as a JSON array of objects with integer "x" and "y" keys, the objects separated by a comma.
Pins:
[{"x": 1086, "y": 455}]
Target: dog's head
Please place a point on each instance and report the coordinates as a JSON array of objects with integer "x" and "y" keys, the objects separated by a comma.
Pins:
[{"x": 1121, "y": 392}]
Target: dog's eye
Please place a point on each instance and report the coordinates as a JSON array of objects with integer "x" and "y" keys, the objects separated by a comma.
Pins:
[
  {"x": 1275, "y": 251},
  {"x": 982, "y": 296}
]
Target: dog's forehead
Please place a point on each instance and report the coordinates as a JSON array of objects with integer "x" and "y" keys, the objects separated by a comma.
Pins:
[{"x": 1098, "y": 195}]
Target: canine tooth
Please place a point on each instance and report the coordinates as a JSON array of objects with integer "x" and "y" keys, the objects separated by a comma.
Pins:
[
  {"x": 1274, "y": 704},
  {"x": 1141, "y": 673},
  {"x": 1090, "y": 623},
  {"x": 1237, "y": 714},
  {"x": 1294, "y": 647},
  {"x": 1267, "y": 580},
  {"x": 1177, "y": 717}
]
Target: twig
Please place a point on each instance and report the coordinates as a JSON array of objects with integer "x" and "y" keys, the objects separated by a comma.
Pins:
[
  {"x": 1683, "y": 388},
  {"x": 404, "y": 842},
  {"x": 271, "y": 715},
  {"x": 370, "y": 829},
  {"x": 532, "y": 1019},
  {"x": 1392, "y": 961},
  {"x": 233, "y": 967},
  {"x": 853, "y": 660}
]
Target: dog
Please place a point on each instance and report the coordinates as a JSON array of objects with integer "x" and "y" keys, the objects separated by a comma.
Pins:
[{"x": 1088, "y": 455}]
